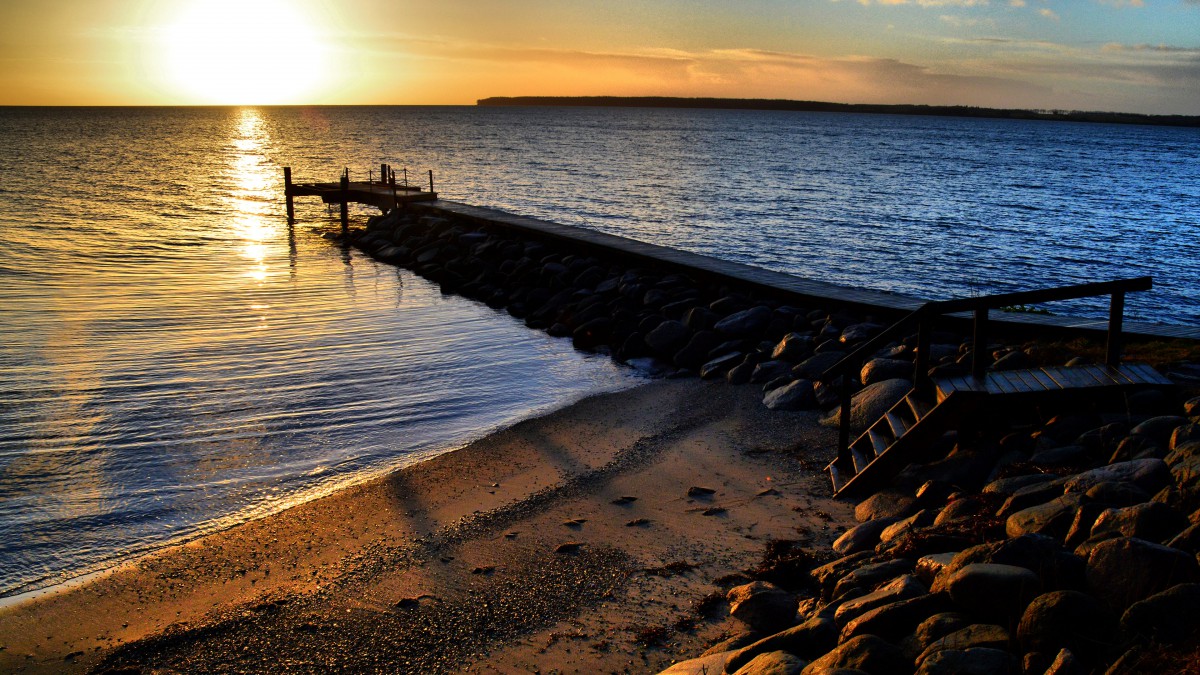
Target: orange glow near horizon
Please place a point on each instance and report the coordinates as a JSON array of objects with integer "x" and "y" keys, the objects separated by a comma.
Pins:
[{"x": 1116, "y": 55}]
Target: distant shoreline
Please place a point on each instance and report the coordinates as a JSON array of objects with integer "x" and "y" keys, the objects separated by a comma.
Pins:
[{"x": 820, "y": 106}]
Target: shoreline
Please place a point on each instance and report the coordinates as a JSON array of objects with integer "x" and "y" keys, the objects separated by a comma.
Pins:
[
  {"x": 378, "y": 550},
  {"x": 83, "y": 576}
]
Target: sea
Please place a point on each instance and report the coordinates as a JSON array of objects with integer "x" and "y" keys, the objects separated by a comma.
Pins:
[{"x": 175, "y": 359}]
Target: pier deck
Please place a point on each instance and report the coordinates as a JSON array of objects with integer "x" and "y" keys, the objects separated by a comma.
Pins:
[{"x": 801, "y": 289}]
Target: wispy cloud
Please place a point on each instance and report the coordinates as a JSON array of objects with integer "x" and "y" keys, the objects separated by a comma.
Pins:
[
  {"x": 928, "y": 3},
  {"x": 1048, "y": 13}
]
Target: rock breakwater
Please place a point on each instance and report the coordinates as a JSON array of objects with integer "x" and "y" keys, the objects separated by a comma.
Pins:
[
  {"x": 665, "y": 321},
  {"x": 1012, "y": 555},
  {"x": 1043, "y": 541}
]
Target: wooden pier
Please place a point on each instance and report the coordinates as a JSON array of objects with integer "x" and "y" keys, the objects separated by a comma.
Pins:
[{"x": 385, "y": 193}]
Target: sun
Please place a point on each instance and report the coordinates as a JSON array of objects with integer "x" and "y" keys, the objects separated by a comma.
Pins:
[{"x": 240, "y": 52}]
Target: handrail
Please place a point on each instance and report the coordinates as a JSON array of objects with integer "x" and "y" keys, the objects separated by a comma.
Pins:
[{"x": 924, "y": 315}]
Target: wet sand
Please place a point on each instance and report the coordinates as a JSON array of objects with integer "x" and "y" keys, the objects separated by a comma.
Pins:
[{"x": 566, "y": 543}]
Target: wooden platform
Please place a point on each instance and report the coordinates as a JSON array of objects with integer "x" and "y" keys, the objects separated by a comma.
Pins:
[
  {"x": 905, "y": 433},
  {"x": 1052, "y": 379},
  {"x": 380, "y": 195},
  {"x": 799, "y": 289}
]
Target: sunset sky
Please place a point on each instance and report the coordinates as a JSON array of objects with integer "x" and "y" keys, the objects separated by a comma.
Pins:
[{"x": 1118, "y": 55}]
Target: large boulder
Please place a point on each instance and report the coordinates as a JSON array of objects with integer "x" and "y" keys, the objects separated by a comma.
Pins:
[
  {"x": 1052, "y": 519},
  {"x": 901, "y": 588},
  {"x": 1159, "y": 428},
  {"x": 973, "y": 636},
  {"x": 1151, "y": 521},
  {"x": 773, "y": 663},
  {"x": 896, "y": 620},
  {"x": 808, "y": 640},
  {"x": 868, "y": 577},
  {"x": 746, "y": 323},
  {"x": 796, "y": 395},
  {"x": 720, "y": 365},
  {"x": 937, "y": 627},
  {"x": 1169, "y": 616},
  {"x": 668, "y": 337},
  {"x": 794, "y": 347},
  {"x": 861, "y": 537},
  {"x": 885, "y": 504},
  {"x": 976, "y": 661},
  {"x": 1067, "y": 619},
  {"x": 1125, "y": 570},
  {"x": 867, "y": 653},
  {"x": 763, "y": 606},
  {"x": 815, "y": 365},
  {"x": 1148, "y": 474},
  {"x": 993, "y": 591},
  {"x": 870, "y": 403},
  {"x": 878, "y": 370}
]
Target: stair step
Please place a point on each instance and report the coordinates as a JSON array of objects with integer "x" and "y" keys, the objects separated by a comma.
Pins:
[
  {"x": 879, "y": 441},
  {"x": 861, "y": 460},
  {"x": 839, "y": 480},
  {"x": 897, "y": 423},
  {"x": 918, "y": 407}
]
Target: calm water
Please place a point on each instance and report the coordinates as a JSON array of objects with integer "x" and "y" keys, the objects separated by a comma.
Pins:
[{"x": 176, "y": 360}]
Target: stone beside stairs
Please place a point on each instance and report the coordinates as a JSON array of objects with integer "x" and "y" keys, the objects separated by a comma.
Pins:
[{"x": 905, "y": 432}]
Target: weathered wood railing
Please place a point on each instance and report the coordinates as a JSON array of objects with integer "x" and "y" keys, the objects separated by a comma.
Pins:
[{"x": 925, "y": 316}]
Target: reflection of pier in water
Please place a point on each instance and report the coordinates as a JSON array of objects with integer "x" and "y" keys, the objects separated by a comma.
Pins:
[{"x": 385, "y": 193}]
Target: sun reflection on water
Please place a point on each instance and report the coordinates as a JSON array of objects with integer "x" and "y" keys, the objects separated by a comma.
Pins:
[{"x": 252, "y": 181}]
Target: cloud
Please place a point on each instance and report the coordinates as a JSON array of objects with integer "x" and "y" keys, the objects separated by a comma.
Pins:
[
  {"x": 929, "y": 3},
  {"x": 958, "y": 21},
  {"x": 1048, "y": 13},
  {"x": 1016, "y": 3},
  {"x": 1123, "y": 3}
]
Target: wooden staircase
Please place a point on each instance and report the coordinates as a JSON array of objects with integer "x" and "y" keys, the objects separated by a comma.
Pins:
[{"x": 905, "y": 432}]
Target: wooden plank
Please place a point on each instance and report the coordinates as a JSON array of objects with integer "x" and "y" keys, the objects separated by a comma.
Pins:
[
  {"x": 1119, "y": 376},
  {"x": 1074, "y": 379},
  {"x": 896, "y": 422},
  {"x": 1001, "y": 383},
  {"x": 1059, "y": 380},
  {"x": 1028, "y": 382},
  {"x": 879, "y": 441},
  {"x": 860, "y": 460},
  {"x": 1023, "y": 384},
  {"x": 835, "y": 476},
  {"x": 1100, "y": 374},
  {"x": 1144, "y": 374},
  {"x": 1045, "y": 379},
  {"x": 971, "y": 383},
  {"x": 918, "y": 406}
]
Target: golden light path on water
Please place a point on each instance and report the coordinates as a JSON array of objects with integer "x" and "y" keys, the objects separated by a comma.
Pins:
[{"x": 178, "y": 360}]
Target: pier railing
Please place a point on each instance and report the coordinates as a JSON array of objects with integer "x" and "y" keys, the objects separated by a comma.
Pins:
[{"x": 924, "y": 317}]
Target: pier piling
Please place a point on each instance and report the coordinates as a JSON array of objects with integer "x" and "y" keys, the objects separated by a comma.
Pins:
[
  {"x": 345, "y": 201},
  {"x": 287, "y": 193}
]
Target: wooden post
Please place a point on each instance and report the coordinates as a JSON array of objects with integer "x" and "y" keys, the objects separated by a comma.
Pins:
[
  {"x": 392, "y": 182},
  {"x": 345, "y": 198},
  {"x": 406, "y": 176},
  {"x": 431, "y": 181},
  {"x": 844, "y": 458},
  {"x": 979, "y": 342},
  {"x": 287, "y": 194},
  {"x": 383, "y": 173},
  {"x": 921, "y": 369},
  {"x": 1116, "y": 320}
]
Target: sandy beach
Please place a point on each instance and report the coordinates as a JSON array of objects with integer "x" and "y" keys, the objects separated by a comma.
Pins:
[{"x": 566, "y": 543}]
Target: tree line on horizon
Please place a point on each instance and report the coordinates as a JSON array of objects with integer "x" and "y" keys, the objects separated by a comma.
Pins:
[{"x": 822, "y": 106}]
